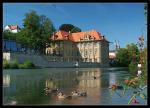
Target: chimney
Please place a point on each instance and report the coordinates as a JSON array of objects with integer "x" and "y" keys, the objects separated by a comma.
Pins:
[{"x": 103, "y": 37}]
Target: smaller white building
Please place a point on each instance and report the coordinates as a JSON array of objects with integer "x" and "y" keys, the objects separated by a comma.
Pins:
[
  {"x": 12, "y": 28},
  {"x": 112, "y": 54}
]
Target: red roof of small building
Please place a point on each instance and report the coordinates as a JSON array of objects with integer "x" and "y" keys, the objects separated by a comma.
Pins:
[{"x": 13, "y": 27}]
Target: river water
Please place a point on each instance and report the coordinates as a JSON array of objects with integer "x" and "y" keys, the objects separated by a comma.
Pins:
[{"x": 26, "y": 86}]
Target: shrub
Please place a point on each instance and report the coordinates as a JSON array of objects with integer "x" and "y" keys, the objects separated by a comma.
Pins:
[
  {"x": 14, "y": 65},
  {"x": 22, "y": 66},
  {"x": 28, "y": 64},
  {"x": 133, "y": 68},
  {"x": 5, "y": 64}
]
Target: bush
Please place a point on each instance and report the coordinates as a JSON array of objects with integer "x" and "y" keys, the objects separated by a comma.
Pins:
[
  {"x": 21, "y": 66},
  {"x": 14, "y": 65},
  {"x": 5, "y": 64},
  {"x": 133, "y": 68},
  {"x": 28, "y": 64}
]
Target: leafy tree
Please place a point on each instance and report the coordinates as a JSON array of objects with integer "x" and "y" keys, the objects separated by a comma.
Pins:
[
  {"x": 46, "y": 30},
  {"x": 128, "y": 55},
  {"x": 9, "y": 35},
  {"x": 134, "y": 53},
  {"x": 69, "y": 27},
  {"x": 36, "y": 31},
  {"x": 31, "y": 28},
  {"x": 22, "y": 39},
  {"x": 75, "y": 29},
  {"x": 122, "y": 57}
]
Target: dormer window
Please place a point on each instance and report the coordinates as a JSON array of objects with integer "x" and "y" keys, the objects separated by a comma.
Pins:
[
  {"x": 55, "y": 36},
  {"x": 67, "y": 36}
]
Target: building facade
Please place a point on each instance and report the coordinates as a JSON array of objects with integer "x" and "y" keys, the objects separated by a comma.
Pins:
[{"x": 87, "y": 46}]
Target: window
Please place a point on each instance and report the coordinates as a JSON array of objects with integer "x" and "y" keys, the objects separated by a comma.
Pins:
[
  {"x": 85, "y": 44},
  {"x": 85, "y": 59},
  {"x": 90, "y": 51},
  {"x": 95, "y": 60},
  {"x": 85, "y": 53},
  {"x": 95, "y": 51},
  {"x": 90, "y": 60},
  {"x": 88, "y": 45},
  {"x": 95, "y": 44},
  {"x": 77, "y": 53}
]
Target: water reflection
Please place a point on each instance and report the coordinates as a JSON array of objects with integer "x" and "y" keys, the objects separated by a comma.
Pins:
[
  {"x": 112, "y": 79},
  {"x": 27, "y": 86},
  {"x": 6, "y": 80}
]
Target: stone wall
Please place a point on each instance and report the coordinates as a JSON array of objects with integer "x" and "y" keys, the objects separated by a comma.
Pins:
[{"x": 46, "y": 61}]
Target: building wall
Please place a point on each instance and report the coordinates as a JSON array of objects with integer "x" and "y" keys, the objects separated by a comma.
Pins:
[
  {"x": 11, "y": 45},
  {"x": 14, "y": 31},
  {"x": 89, "y": 51},
  {"x": 84, "y": 51},
  {"x": 104, "y": 55},
  {"x": 66, "y": 49}
]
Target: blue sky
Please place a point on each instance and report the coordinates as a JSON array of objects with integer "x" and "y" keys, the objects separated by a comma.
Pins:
[{"x": 124, "y": 22}]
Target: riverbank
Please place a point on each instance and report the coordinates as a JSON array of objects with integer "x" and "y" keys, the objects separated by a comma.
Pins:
[
  {"x": 45, "y": 61},
  {"x": 15, "y": 65}
]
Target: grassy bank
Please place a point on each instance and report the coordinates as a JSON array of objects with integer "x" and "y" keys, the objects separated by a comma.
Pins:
[{"x": 15, "y": 65}]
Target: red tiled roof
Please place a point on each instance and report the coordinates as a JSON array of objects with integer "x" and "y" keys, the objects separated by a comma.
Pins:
[
  {"x": 13, "y": 27},
  {"x": 75, "y": 37}
]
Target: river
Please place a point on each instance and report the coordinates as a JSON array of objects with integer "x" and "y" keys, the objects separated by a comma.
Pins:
[{"x": 26, "y": 86}]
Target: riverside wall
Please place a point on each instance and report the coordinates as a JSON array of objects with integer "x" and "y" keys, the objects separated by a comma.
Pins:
[{"x": 47, "y": 61}]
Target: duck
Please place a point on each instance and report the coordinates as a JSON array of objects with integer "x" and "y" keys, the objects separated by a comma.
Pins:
[
  {"x": 75, "y": 93},
  {"x": 48, "y": 90},
  {"x": 82, "y": 93},
  {"x": 61, "y": 95},
  {"x": 119, "y": 87}
]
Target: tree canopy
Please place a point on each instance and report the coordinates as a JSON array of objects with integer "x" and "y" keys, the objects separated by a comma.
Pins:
[
  {"x": 36, "y": 32},
  {"x": 127, "y": 55},
  {"x": 69, "y": 27}
]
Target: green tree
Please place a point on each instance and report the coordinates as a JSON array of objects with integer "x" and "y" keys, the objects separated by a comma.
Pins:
[
  {"x": 69, "y": 27},
  {"x": 31, "y": 28},
  {"x": 128, "y": 55},
  {"x": 46, "y": 31},
  {"x": 9, "y": 35},
  {"x": 22, "y": 39},
  {"x": 134, "y": 52},
  {"x": 75, "y": 30},
  {"x": 36, "y": 32},
  {"x": 122, "y": 57}
]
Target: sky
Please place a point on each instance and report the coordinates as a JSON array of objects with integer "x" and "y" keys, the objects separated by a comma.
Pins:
[{"x": 124, "y": 22}]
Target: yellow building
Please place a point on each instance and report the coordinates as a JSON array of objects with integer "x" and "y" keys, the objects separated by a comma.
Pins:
[{"x": 87, "y": 46}]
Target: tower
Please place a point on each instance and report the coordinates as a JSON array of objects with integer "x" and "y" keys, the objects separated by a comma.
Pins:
[{"x": 117, "y": 46}]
